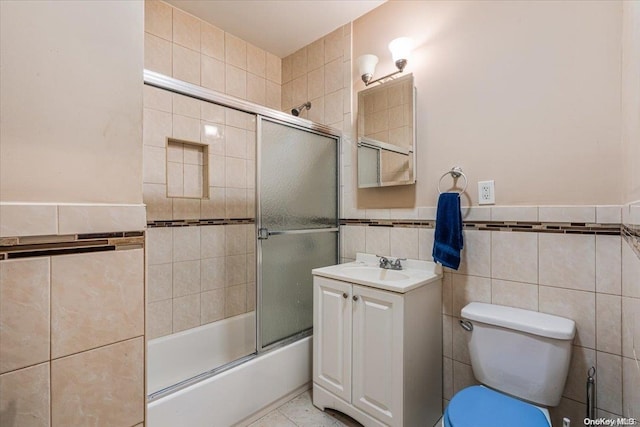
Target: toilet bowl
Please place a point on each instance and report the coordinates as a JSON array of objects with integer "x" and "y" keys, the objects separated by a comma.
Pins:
[{"x": 522, "y": 359}]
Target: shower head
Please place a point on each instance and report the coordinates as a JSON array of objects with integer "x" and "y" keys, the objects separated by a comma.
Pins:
[{"x": 296, "y": 111}]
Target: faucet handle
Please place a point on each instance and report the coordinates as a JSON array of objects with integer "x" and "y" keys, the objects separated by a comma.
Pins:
[
  {"x": 384, "y": 261},
  {"x": 396, "y": 264}
]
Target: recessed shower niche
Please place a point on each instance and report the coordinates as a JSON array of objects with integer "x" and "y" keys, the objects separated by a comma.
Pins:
[{"x": 187, "y": 169}]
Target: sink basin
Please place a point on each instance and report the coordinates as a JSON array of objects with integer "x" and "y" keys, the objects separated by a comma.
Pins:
[{"x": 374, "y": 273}]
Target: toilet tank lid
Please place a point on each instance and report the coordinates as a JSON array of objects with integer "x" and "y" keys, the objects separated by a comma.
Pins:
[{"x": 533, "y": 322}]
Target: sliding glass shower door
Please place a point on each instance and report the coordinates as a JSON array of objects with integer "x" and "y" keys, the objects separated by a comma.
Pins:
[{"x": 297, "y": 224}]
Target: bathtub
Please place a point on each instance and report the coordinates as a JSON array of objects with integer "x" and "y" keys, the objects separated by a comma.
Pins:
[{"x": 236, "y": 396}]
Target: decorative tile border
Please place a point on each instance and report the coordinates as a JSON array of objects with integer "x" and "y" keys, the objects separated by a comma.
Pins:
[
  {"x": 38, "y": 246},
  {"x": 523, "y": 226},
  {"x": 199, "y": 222},
  {"x": 631, "y": 233}
]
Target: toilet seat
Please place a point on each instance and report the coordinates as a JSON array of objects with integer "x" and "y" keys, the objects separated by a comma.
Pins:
[{"x": 479, "y": 406}]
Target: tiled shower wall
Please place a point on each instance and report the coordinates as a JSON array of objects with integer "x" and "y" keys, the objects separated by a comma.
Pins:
[
  {"x": 584, "y": 275},
  {"x": 182, "y": 46}
]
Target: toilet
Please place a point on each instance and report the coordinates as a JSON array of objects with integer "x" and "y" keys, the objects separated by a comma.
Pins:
[{"x": 521, "y": 357}]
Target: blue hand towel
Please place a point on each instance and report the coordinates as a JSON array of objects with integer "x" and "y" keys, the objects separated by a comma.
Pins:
[{"x": 447, "y": 242}]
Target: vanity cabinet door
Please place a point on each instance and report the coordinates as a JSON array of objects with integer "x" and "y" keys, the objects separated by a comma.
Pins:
[
  {"x": 332, "y": 305},
  {"x": 378, "y": 354}
]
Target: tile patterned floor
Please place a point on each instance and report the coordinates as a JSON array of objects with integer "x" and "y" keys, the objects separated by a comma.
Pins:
[{"x": 300, "y": 412}]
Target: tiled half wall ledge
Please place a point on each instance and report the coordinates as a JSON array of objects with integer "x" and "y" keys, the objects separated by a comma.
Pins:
[{"x": 19, "y": 219}]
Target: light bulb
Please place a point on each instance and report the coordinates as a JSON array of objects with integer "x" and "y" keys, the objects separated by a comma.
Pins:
[
  {"x": 367, "y": 66},
  {"x": 400, "y": 50}
]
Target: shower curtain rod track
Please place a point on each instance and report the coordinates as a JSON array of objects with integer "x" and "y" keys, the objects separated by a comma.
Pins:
[{"x": 162, "y": 81}]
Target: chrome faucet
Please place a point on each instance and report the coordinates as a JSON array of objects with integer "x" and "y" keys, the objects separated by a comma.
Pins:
[{"x": 386, "y": 263}]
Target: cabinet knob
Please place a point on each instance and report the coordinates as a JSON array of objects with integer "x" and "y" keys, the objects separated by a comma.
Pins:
[
  {"x": 345, "y": 295},
  {"x": 355, "y": 297}
]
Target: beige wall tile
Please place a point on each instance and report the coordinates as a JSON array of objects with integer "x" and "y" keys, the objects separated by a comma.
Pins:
[
  {"x": 193, "y": 154},
  {"x": 235, "y": 82},
  {"x": 448, "y": 323},
  {"x": 157, "y": 126},
  {"x": 159, "y": 245},
  {"x": 514, "y": 213},
  {"x": 159, "y": 282},
  {"x": 316, "y": 112},
  {"x": 157, "y": 18},
  {"x": 212, "y": 273},
  {"x": 377, "y": 241},
  {"x": 175, "y": 152},
  {"x": 630, "y": 326},
  {"x": 353, "y": 240},
  {"x": 609, "y": 214},
  {"x": 193, "y": 181},
  {"x": 447, "y": 294},
  {"x": 609, "y": 382},
  {"x": 630, "y": 388},
  {"x": 159, "y": 319},
  {"x": 235, "y": 51},
  {"x": 256, "y": 60},
  {"x": 24, "y": 313},
  {"x": 299, "y": 63},
  {"x": 315, "y": 55},
  {"x": 235, "y": 270},
  {"x": 157, "y": 99},
  {"x": 567, "y": 408},
  {"x": 236, "y": 173},
  {"x": 250, "y": 230},
  {"x": 186, "y": 208},
  {"x": 175, "y": 179},
  {"x": 251, "y": 175},
  {"x": 287, "y": 97},
  {"x": 514, "y": 294},
  {"x": 567, "y": 214},
  {"x": 315, "y": 83},
  {"x": 333, "y": 48},
  {"x": 186, "y": 278},
  {"x": 213, "y": 305},
  {"x": 158, "y": 55},
  {"x": 186, "y": 64},
  {"x": 212, "y": 41},
  {"x": 462, "y": 376},
  {"x": 581, "y": 360},
  {"x": 567, "y": 261},
  {"x": 514, "y": 256},
  {"x": 212, "y": 74},
  {"x": 25, "y": 397},
  {"x": 186, "y": 312},
  {"x": 236, "y": 203},
  {"x": 251, "y": 267},
  {"x": 212, "y": 112},
  {"x": 96, "y": 299},
  {"x": 460, "y": 349},
  {"x": 159, "y": 207},
  {"x": 186, "y": 128},
  {"x": 239, "y": 119},
  {"x": 630, "y": 272},
  {"x": 235, "y": 300},
  {"x": 476, "y": 254},
  {"x": 576, "y": 305},
  {"x": 186, "y": 106},
  {"x": 476, "y": 213},
  {"x": 251, "y": 296},
  {"x": 273, "y": 68},
  {"x": 256, "y": 89},
  {"x": 299, "y": 92},
  {"x": 608, "y": 326},
  {"x": 250, "y": 203},
  {"x": 404, "y": 242},
  {"x": 104, "y": 385},
  {"x": 186, "y": 30},
  {"x": 235, "y": 240},
  {"x": 213, "y": 135},
  {"x": 100, "y": 218},
  {"x": 333, "y": 79},
  {"x": 273, "y": 95},
  {"x": 333, "y": 108},
  {"x": 28, "y": 220},
  {"x": 608, "y": 262},
  {"x": 186, "y": 243},
  {"x": 212, "y": 239},
  {"x": 154, "y": 165},
  {"x": 468, "y": 289},
  {"x": 447, "y": 377},
  {"x": 214, "y": 207},
  {"x": 425, "y": 248},
  {"x": 287, "y": 69}
]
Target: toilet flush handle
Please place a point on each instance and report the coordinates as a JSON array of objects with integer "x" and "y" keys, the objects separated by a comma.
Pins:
[{"x": 466, "y": 325}]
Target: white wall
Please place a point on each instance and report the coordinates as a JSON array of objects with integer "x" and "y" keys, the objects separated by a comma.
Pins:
[
  {"x": 631, "y": 99},
  {"x": 525, "y": 93},
  {"x": 71, "y": 101}
]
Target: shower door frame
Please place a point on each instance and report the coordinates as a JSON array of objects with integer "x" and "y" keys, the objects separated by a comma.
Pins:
[
  {"x": 161, "y": 81},
  {"x": 258, "y": 250}
]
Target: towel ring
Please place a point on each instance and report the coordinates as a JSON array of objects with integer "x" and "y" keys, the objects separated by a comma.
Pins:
[{"x": 455, "y": 172}]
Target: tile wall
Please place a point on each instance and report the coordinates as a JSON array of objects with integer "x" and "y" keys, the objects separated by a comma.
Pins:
[
  {"x": 184, "y": 47},
  {"x": 72, "y": 339},
  {"x": 580, "y": 276},
  {"x": 321, "y": 73}
]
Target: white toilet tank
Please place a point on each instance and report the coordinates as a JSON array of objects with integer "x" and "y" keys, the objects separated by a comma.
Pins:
[{"x": 520, "y": 352}]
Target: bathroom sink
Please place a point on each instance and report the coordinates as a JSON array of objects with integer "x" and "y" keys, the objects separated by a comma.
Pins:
[
  {"x": 374, "y": 273},
  {"x": 365, "y": 270}
]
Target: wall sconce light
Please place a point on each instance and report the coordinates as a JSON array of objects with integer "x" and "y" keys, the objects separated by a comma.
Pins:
[{"x": 400, "y": 49}]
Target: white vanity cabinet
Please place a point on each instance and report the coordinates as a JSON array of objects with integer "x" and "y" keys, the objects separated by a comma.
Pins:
[{"x": 377, "y": 354}]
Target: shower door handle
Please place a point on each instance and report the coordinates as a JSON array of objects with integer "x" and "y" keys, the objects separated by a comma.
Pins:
[{"x": 263, "y": 233}]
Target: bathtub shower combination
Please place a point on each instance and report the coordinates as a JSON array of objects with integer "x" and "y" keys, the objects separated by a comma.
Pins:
[{"x": 229, "y": 366}]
